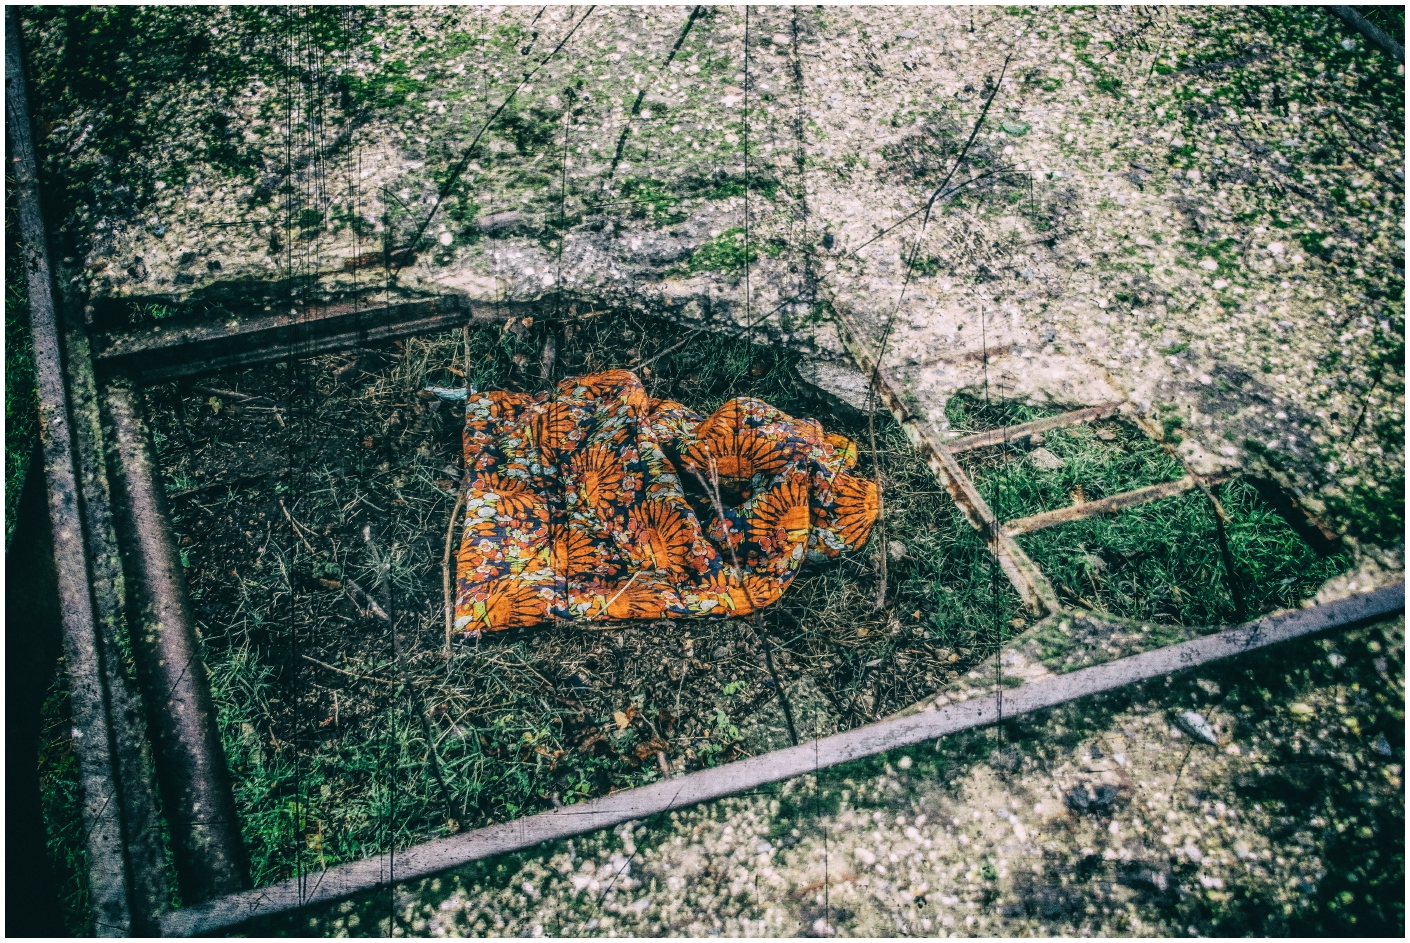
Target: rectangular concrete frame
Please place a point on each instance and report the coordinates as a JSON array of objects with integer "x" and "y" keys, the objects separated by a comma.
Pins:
[
  {"x": 257, "y": 340},
  {"x": 178, "y": 351}
]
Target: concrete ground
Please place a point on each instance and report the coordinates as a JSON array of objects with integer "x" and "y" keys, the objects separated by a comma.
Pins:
[
  {"x": 1103, "y": 818},
  {"x": 1197, "y": 210}
]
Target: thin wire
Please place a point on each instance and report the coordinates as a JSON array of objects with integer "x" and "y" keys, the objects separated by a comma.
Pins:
[{"x": 746, "y": 175}]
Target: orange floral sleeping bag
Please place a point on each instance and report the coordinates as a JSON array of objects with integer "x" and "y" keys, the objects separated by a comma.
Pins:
[{"x": 596, "y": 502}]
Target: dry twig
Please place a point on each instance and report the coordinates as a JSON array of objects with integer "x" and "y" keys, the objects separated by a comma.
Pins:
[
  {"x": 298, "y": 528},
  {"x": 445, "y": 568},
  {"x": 343, "y": 671}
]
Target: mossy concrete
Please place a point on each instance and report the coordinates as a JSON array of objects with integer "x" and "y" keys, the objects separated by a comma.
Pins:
[{"x": 1198, "y": 208}]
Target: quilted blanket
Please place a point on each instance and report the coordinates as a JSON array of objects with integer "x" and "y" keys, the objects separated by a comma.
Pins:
[{"x": 594, "y": 501}]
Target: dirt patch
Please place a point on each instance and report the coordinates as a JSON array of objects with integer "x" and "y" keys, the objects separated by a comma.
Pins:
[{"x": 290, "y": 482}]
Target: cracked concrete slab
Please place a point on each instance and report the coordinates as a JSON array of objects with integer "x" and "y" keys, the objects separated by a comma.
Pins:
[{"x": 1147, "y": 207}]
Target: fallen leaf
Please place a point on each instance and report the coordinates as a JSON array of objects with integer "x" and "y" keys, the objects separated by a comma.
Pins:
[
  {"x": 654, "y": 745},
  {"x": 330, "y": 584},
  {"x": 623, "y": 721}
]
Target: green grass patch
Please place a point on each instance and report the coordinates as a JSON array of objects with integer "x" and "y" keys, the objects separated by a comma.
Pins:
[
  {"x": 62, "y": 803},
  {"x": 1158, "y": 561},
  {"x": 339, "y": 750},
  {"x": 21, "y": 398},
  {"x": 727, "y": 253}
]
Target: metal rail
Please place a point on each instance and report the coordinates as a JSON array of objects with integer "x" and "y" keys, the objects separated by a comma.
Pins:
[
  {"x": 191, "y": 769},
  {"x": 1022, "y": 431},
  {"x": 1108, "y": 505},
  {"x": 126, "y": 873},
  {"x": 742, "y": 775},
  {"x": 193, "y": 344}
]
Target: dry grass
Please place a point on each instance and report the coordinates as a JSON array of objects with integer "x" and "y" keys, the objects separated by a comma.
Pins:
[{"x": 346, "y": 737}]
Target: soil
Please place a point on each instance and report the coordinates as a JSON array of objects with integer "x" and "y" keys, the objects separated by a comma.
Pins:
[{"x": 289, "y": 482}]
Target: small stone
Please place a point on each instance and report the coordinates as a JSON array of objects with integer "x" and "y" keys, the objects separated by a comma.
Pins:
[
  {"x": 908, "y": 34},
  {"x": 896, "y": 550},
  {"x": 1208, "y": 264},
  {"x": 779, "y": 39},
  {"x": 445, "y": 238},
  {"x": 498, "y": 222},
  {"x": 1044, "y": 460},
  {"x": 1337, "y": 659},
  {"x": 1382, "y": 746},
  {"x": 1196, "y": 726},
  {"x": 1143, "y": 876},
  {"x": 1086, "y": 798},
  {"x": 1301, "y": 713},
  {"x": 849, "y": 385}
]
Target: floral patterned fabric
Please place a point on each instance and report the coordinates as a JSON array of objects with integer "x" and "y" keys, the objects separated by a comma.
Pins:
[{"x": 596, "y": 502}]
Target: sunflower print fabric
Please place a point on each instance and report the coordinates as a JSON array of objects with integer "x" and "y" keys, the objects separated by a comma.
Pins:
[{"x": 596, "y": 502}]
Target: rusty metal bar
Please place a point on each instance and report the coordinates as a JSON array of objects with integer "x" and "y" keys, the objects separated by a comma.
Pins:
[
  {"x": 1108, "y": 505},
  {"x": 1032, "y": 586},
  {"x": 1022, "y": 431},
  {"x": 110, "y": 877},
  {"x": 191, "y": 769},
  {"x": 192, "y": 344},
  {"x": 739, "y": 776},
  {"x": 1374, "y": 34}
]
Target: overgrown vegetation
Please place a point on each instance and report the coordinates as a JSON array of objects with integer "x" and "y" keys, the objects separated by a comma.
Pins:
[
  {"x": 21, "y": 403},
  {"x": 345, "y": 740},
  {"x": 62, "y": 804},
  {"x": 1306, "y": 836},
  {"x": 1159, "y": 561}
]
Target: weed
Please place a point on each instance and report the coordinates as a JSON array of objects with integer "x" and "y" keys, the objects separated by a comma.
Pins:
[
  {"x": 344, "y": 741},
  {"x": 726, "y": 253},
  {"x": 1158, "y": 561},
  {"x": 21, "y": 397}
]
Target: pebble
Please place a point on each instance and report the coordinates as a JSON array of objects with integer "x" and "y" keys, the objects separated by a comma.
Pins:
[
  {"x": 498, "y": 221},
  {"x": 1382, "y": 746},
  {"x": 1044, "y": 460},
  {"x": 1196, "y": 726}
]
